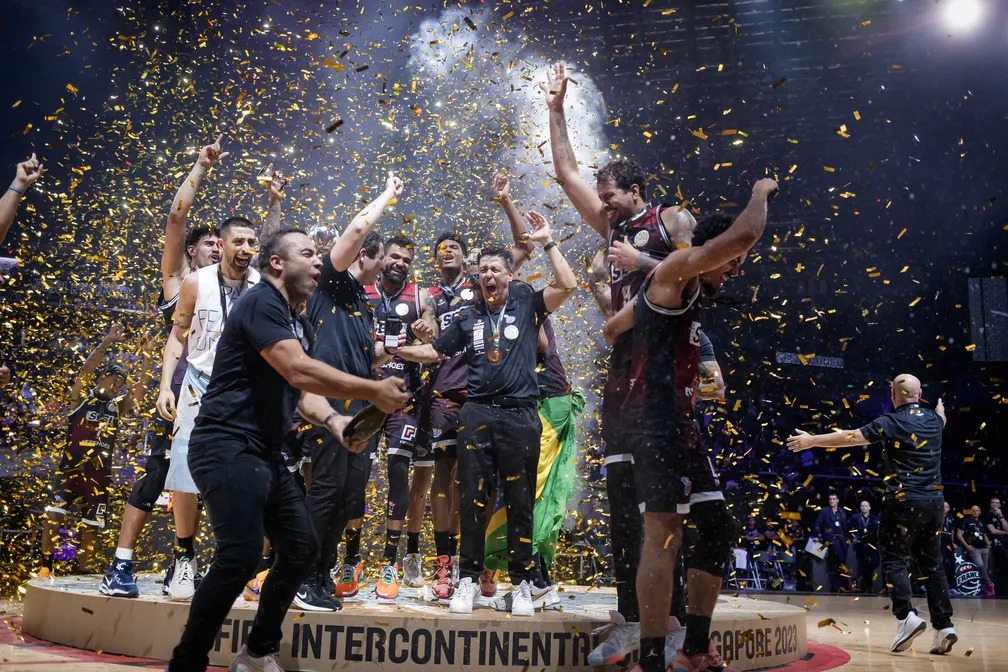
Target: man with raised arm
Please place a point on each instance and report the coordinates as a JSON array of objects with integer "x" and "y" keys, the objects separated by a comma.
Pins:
[
  {"x": 665, "y": 356},
  {"x": 343, "y": 322},
  {"x": 913, "y": 508},
  {"x": 206, "y": 297},
  {"x": 638, "y": 236},
  {"x": 26, "y": 175},
  {"x": 264, "y": 366},
  {"x": 499, "y": 426},
  {"x": 84, "y": 475},
  {"x": 183, "y": 253}
]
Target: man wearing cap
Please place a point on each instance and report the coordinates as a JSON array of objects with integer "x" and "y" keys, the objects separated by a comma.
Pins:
[{"x": 85, "y": 469}]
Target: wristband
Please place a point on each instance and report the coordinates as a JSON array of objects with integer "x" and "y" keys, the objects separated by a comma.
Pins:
[
  {"x": 549, "y": 246},
  {"x": 334, "y": 414},
  {"x": 16, "y": 189}
]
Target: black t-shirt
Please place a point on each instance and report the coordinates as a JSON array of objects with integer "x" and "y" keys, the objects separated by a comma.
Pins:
[
  {"x": 247, "y": 400},
  {"x": 912, "y": 451},
  {"x": 552, "y": 375},
  {"x": 343, "y": 322},
  {"x": 993, "y": 518},
  {"x": 472, "y": 331},
  {"x": 973, "y": 530}
]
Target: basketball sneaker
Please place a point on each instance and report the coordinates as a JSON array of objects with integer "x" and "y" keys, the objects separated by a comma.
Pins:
[
  {"x": 621, "y": 639},
  {"x": 183, "y": 581},
  {"x": 349, "y": 582},
  {"x": 254, "y": 586},
  {"x": 119, "y": 580},
  {"x": 444, "y": 586},
  {"x": 246, "y": 662},
  {"x": 943, "y": 641},
  {"x": 413, "y": 571},
  {"x": 487, "y": 583},
  {"x": 906, "y": 630},
  {"x": 388, "y": 582}
]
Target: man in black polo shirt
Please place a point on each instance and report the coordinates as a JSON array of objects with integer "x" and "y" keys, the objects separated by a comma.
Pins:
[
  {"x": 913, "y": 508},
  {"x": 234, "y": 457},
  {"x": 343, "y": 324},
  {"x": 499, "y": 425}
]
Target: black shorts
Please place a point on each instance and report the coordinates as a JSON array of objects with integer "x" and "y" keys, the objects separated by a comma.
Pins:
[
  {"x": 403, "y": 438},
  {"x": 444, "y": 425},
  {"x": 160, "y": 437},
  {"x": 705, "y": 486},
  {"x": 82, "y": 494},
  {"x": 664, "y": 464}
]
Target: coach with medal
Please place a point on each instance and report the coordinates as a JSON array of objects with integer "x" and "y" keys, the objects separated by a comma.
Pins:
[{"x": 500, "y": 426}]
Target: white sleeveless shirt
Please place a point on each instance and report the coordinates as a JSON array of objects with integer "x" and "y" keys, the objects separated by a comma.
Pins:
[{"x": 214, "y": 300}]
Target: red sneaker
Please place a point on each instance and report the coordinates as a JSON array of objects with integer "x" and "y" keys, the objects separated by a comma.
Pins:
[
  {"x": 444, "y": 587},
  {"x": 487, "y": 583}
]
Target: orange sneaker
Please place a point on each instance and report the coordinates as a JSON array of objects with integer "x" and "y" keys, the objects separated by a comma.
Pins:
[
  {"x": 349, "y": 582},
  {"x": 253, "y": 587},
  {"x": 44, "y": 573},
  {"x": 488, "y": 583},
  {"x": 388, "y": 582},
  {"x": 444, "y": 586}
]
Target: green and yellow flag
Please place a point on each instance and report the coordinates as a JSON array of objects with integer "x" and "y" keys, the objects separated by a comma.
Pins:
[{"x": 554, "y": 482}]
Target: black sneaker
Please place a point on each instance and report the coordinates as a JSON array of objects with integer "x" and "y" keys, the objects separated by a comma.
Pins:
[{"x": 312, "y": 597}]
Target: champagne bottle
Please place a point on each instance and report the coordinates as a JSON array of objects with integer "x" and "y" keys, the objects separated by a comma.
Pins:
[{"x": 365, "y": 424}]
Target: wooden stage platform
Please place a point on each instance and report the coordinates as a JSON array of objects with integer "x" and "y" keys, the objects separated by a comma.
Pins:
[{"x": 406, "y": 635}]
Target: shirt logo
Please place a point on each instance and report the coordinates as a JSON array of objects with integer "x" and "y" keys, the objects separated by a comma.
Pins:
[{"x": 478, "y": 345}]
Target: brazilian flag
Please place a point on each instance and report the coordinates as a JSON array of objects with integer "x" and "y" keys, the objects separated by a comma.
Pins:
[{"x": 554, "y": 483}]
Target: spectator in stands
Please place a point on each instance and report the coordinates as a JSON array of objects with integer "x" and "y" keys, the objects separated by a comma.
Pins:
[
  {"x": 973, "y": 537},
  {"x": 997, "y": 531},
  {"x": 948, "y": 545}
]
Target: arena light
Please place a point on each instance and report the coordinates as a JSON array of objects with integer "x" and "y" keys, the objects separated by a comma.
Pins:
[{"x": 962, "y": 15}]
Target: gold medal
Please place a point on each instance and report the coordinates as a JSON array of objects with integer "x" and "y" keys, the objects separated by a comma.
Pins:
[{"x": 494, "y": 356}]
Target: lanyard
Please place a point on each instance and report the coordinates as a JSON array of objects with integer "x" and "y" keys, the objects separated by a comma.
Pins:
[
  {"x": 223, "y": 298},
  {"x": 387, "y": 301},
  {"x": 496, "y": 327}
]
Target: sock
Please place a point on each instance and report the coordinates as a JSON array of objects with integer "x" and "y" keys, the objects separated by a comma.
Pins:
[
  {"x": 184, "y": 547},
  {"x": 352, "y": 540},
  {"x": 652, "y": 654},
  {"x": 697, "y": 635},
  {"x": 265, "y": 562},
  {"x": 442, "y": 543},
  {"x": 453, "y": 545},
  {"x": 123, "y": 553},
  {"x": 412, "y": 542},
  {"x": 392, "y": 546}
]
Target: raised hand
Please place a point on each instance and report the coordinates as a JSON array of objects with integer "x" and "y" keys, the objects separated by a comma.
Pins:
[
  {"x": 539, "y": 228},
  {"x": 115, "y": 332},
  {"x": 394, "y": 184},
  {"x": 501, "y": 185},
  {"x": 211, "y": 155},
  {"x": 555, "y": 87},
  {"x": 28, "y": 172},
  {"x": 766, "y": 188},
  {"x": 273, "y": 181},
  {"x": 148, "y": 342}
]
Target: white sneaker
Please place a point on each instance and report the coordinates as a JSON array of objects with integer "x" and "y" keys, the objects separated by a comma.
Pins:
[
  {"x": 413, "y": 571},
  {"x": 521, "y": 600},
  {"x": 622, "y": 638},
  {"x": 462, "y": 600},
  {"x": 907, "y": 630},
  {"x": 246, "y": 662},
  {"x": 943, "y": 641},
  {"x": 545, "y": 598},
  {"x": 183, "y": 583},
  {"x": 674, "y": 639}
]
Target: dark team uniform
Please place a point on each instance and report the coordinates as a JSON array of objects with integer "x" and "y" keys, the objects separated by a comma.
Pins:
[
  {"x": 148, "y": 487},
  {"x": 448, "y": 382},
  {"x": 706, "y": 487},
  {"x": 85, "y": 471},
  {"x": 342, "y": 318},
  {"x": 401, "y": 427},
  {"x": 647, "y": 233},
  {"x": 500, "y": 426},
  {"x": 913, "y": 509},
  {"x": 665, "y": 357},
  {"x": 550, "y": 370}
]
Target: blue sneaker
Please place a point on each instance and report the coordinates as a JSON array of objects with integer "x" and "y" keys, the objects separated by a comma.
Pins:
[{"x": 119, "y": 580}]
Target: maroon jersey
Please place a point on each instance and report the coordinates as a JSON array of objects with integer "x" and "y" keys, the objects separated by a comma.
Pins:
[
  {"x": 92, "y": 429},
  {"x": 552, "y": 376},
  {"x": 664, "y": 362},
  {"x": 452, "y": 373},
  {"x": 646, "y": 232},
  {"x": 167, "y": 310},
  {"x": 405, "y": 305}
]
